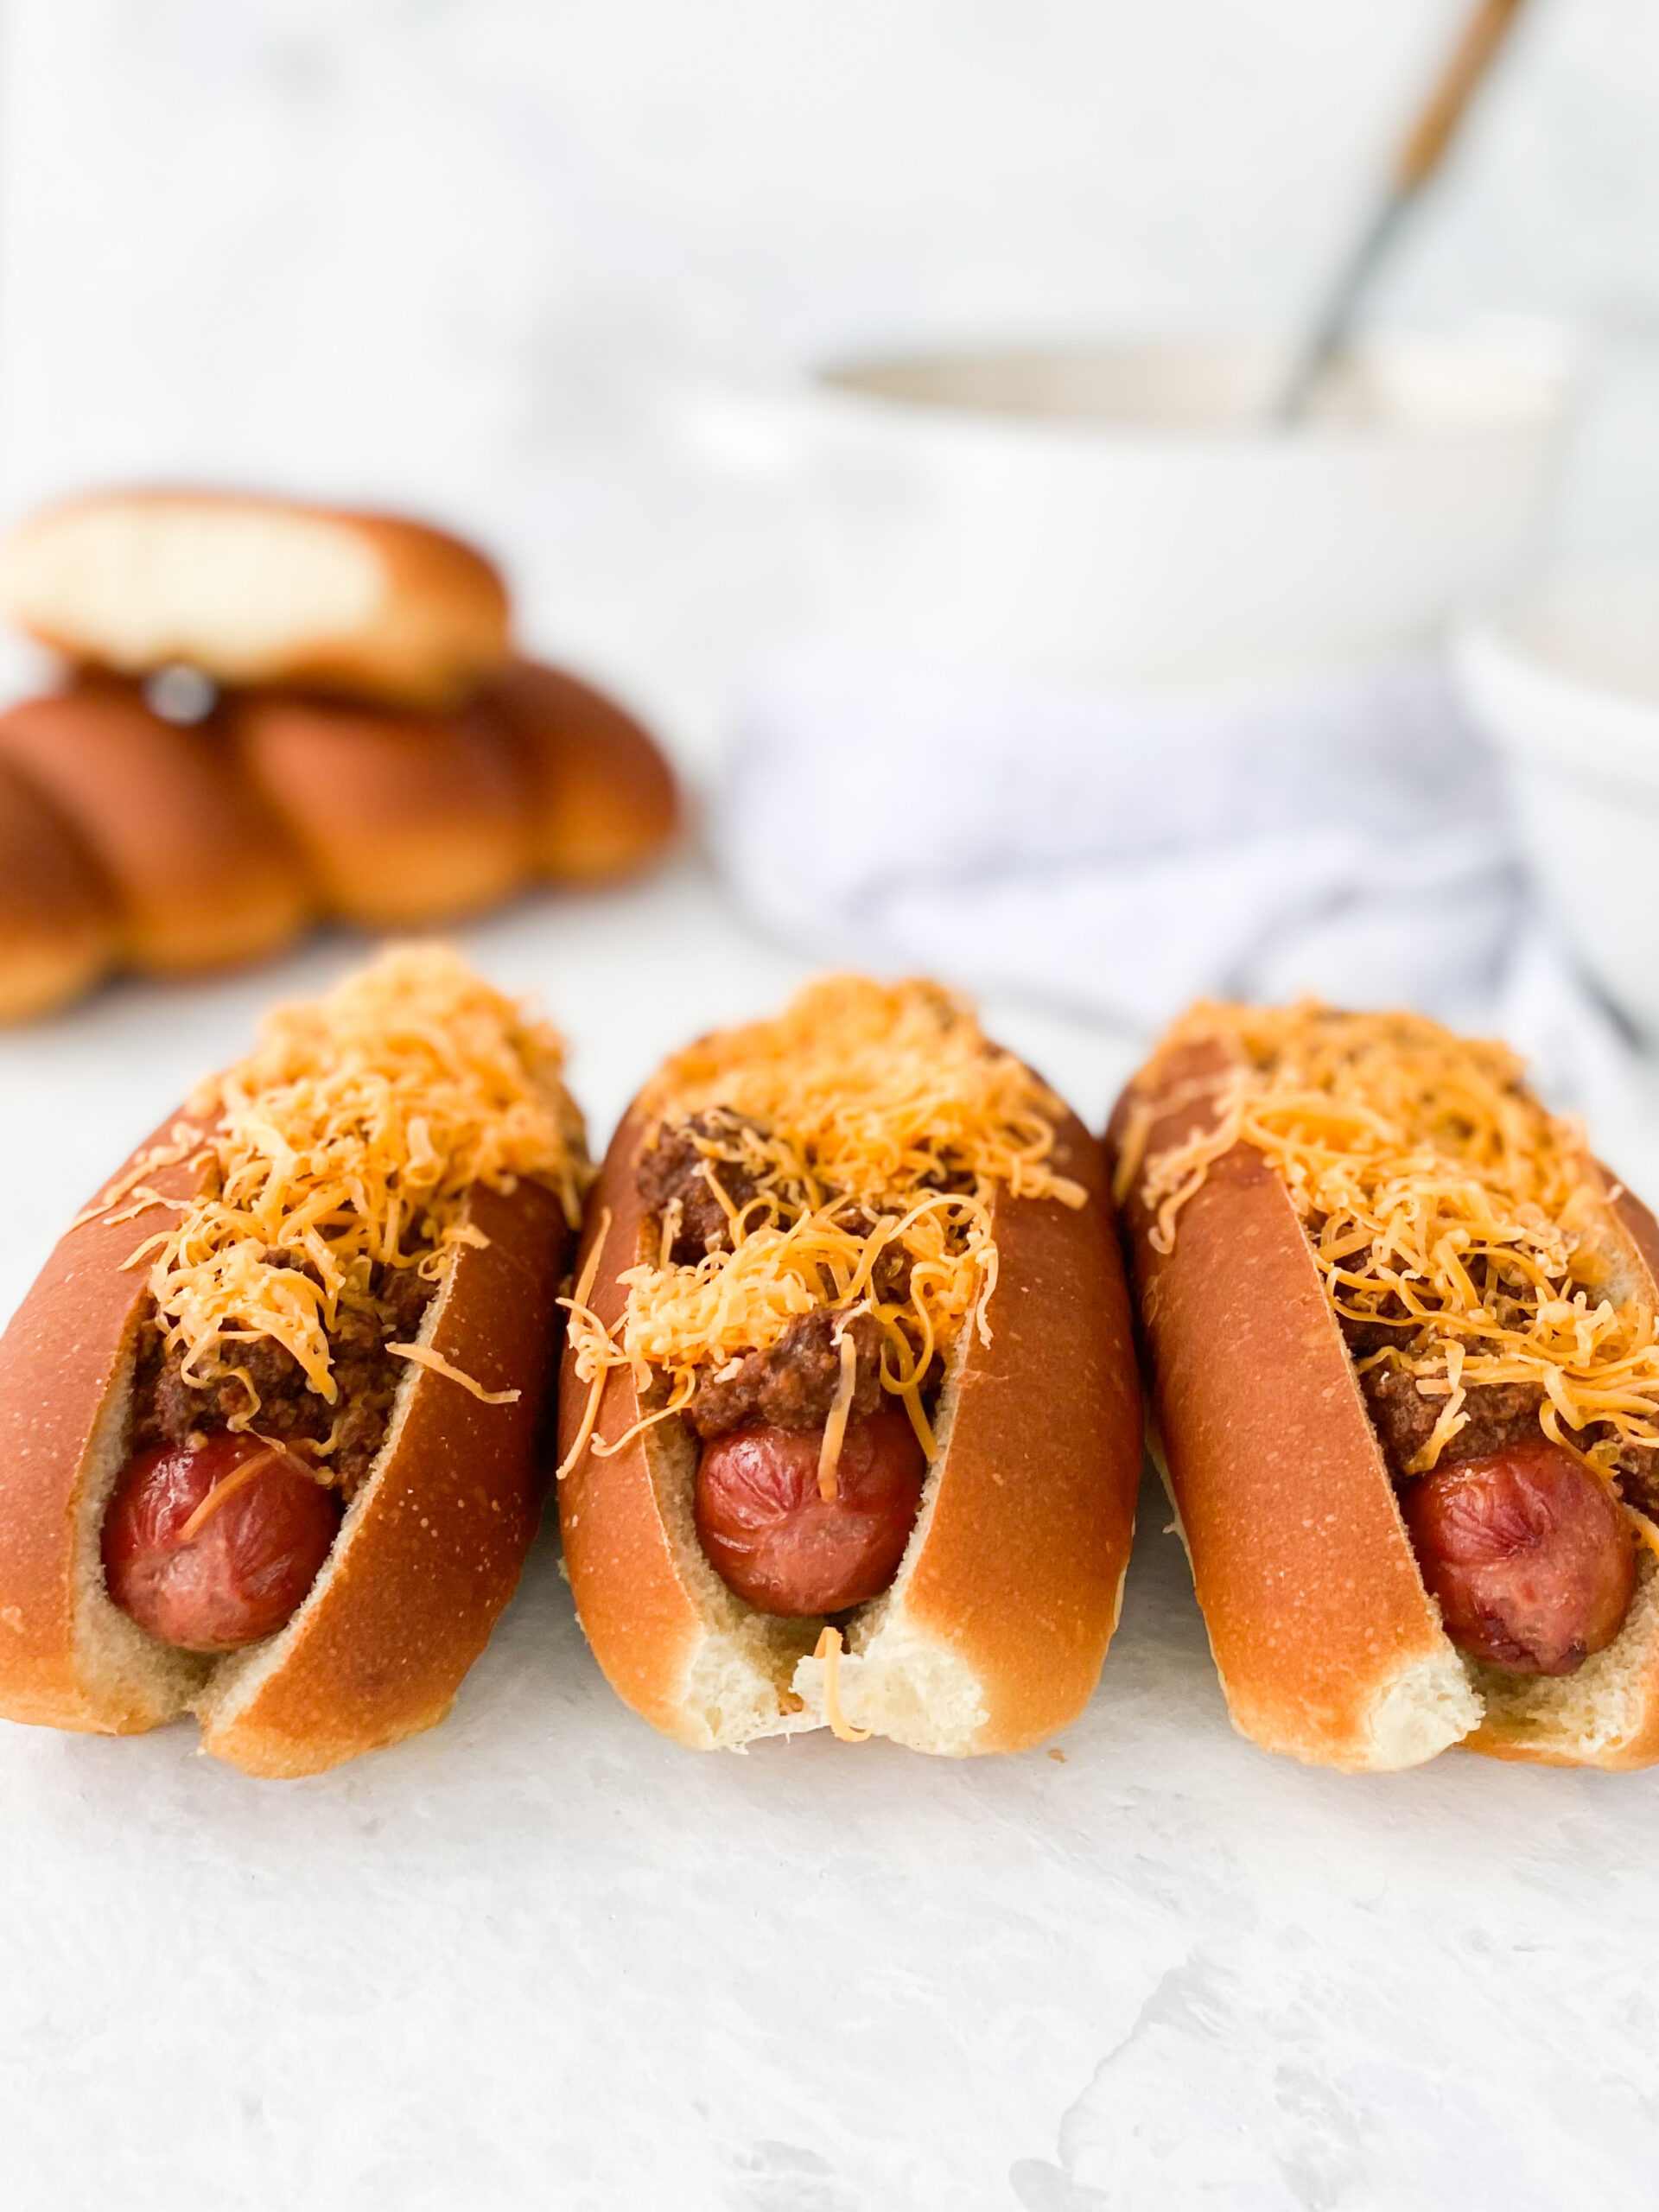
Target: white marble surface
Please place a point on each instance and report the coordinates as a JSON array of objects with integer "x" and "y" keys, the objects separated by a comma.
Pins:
[{"x": 541, "y": 1957}]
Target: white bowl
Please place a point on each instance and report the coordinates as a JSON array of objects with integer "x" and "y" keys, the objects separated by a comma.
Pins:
[
  {"x": 1567, "y": 689},
  {"x": 1127, "y": 511}
]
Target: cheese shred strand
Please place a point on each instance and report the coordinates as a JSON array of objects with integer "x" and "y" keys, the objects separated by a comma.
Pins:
[
  {"x": 827, "y": 1650},
  {"x": 835, "y": 1429}
]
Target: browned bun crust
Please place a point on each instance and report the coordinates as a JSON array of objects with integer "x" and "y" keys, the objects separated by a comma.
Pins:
[
  {"x": 58, "y": 929},
  {"x": 1023, "y": 1564},
  {"x": 1009, "y": 1593},
  {"x": 602, "y": 799},
  {"x": 430, "y": 1552},
  {"x": 255, "y": 590},
  {"x": 1301, "y": 1562},
  {"x": 201, "y": 874},
  {"x": 1327, "y": 1644},
  {"x": 432, "y": 1548},
  {"x": 635, "y": 1608},
  {"x": 66, "y": 1365},
  {"x": 403, "y": 819}
]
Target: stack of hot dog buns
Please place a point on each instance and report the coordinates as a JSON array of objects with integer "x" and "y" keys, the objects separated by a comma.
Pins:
[
  {"x": 849, "y": 1413},
  {"x": 268, "y": 1417},
  {"x": 356, "y": 739},
  {"x": 1403, "y": 1338}
]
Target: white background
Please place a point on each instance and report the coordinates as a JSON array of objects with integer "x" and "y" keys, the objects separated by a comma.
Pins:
[{"x": 481, "y": 256}]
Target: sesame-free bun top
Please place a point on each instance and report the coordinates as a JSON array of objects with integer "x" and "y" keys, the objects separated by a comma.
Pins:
[{"x": 255, "y": 590}]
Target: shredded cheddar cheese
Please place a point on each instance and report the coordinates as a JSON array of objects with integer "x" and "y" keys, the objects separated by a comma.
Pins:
[
  {"x": 1448, "y": 1211},
  {"x": 424, "y": 1355},
  {"x": 343, "y": 1147},
  {"x": 835, "y": 1429},
  {"x": 225, "y": 1488},
  {"x": 827, "y": 1650},
  {"x": 875, "y": 1124}
]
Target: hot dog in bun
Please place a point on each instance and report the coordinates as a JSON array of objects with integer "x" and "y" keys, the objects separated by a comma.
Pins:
[
  {"x": 848, "y": 1410},
  {"x": 267, "y": 1417},
  {"x": 1403, "y": 1338}
]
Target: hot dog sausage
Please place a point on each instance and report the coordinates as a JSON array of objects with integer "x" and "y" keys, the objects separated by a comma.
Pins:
[
  {"x": 1529, "y": 1554},
  {"x": 782, "y": 1546},
  {"x": 214, "y": 1576}
]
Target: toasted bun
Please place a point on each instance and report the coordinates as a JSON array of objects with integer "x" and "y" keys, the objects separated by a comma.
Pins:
[
  {"x": 601, "y": 798},
  {"x": 992, "y": 1633},
  {"x": 403, "y": 819},
  {"x": 428, "y": 1554},
  {"x": 59, "y": 933},
  {"x": 1328, "y": 1645},
  {"x": 202, "y": 875},
  {"x": 258, "y": 591}
]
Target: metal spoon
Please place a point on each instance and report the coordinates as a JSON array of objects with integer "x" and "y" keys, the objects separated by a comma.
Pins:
[{"x": 1420, "y": 156}]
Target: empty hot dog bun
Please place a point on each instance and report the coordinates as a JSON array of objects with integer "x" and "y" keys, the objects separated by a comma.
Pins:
[
  {"x": 347, "y": 1250},
  {"x": 600, "y": 797},
  {"x": 878, "y": 1362},
  {"x": 200, "y": 873},
  {"x": 1401, "y": 1334},
  {"x": 403, "y": 818},
  {"x": 59, "y": 931},
  {"x": 253, "y": 591}
]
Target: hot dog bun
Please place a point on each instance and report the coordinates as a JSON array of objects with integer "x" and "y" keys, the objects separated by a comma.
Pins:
[
  {"x": 992, "y": 1634},
  {"x": 1327, "y": 1645},
  {"x": 69, "y": 1659},
  {"x": 258, "y": 591},
  {"x": 423, "y": 1563},
  {"x": 59, "y": 933},
  {"x": 600, "y": 797},
  {"x": 403, "y": 819},
  {"x": 201, "y": 874},
  {"x": 433, "y": 1537}
]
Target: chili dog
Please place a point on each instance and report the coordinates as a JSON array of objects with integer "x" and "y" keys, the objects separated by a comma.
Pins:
[
  {"x": 1402, "y": 1334},
  {"x": 267, "y": 1417},
  {"x": 850, "y": 1372}
]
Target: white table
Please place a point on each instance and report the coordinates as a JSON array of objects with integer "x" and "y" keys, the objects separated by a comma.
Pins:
[{"x": 541, "y": 1958}]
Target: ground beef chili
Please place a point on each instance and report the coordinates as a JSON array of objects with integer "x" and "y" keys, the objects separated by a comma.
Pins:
[
  {"x": 674, "y": 1170},
  {"x": 1498, "y": 1415},
  {"x": 168, "y": 1409},
  {"x": 792, "y": 1383}
]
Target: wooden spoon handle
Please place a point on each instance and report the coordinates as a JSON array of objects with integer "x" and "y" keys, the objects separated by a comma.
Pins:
[{"x": 1436, "y": 124}]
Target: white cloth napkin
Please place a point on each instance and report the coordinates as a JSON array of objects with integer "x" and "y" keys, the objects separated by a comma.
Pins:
[{"x": 1120, "y": 856}]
